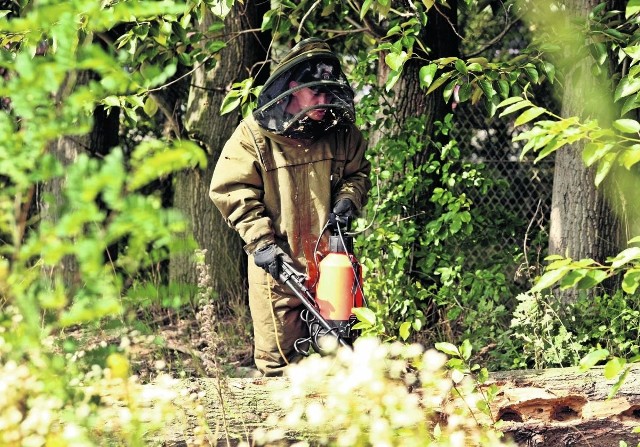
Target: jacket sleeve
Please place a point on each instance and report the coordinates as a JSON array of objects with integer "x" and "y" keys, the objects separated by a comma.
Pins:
[
  {"x": 237, "y": 190},
  {"x": 355, "y": 182}
]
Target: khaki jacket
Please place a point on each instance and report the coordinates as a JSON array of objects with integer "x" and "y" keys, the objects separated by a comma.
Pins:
[{"x": 271, "y": 191}]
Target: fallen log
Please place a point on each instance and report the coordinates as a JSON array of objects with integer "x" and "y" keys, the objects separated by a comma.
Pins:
[
  {"x": 567, "y": 407},
  {"x": 547, "y": 408}
]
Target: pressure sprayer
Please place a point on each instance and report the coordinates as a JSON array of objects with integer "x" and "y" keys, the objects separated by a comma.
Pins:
[{"x": 329, "y": 307}]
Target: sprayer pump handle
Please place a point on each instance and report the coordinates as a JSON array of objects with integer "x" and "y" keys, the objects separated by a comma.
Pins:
[{"x": 335, "y": 221}]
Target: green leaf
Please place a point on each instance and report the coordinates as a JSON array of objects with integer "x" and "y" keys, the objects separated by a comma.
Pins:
[
  {"x": 630, "y": 156},
  {"x": 625, "y": 256},
  {"x": 550, "y": 70},
  {"x": 616, "y": 386},
  {"x": 487, "y": 88},
  {"x": 631, "y": 103},
  {"x": 515, "y": 107},
  {"x": 153, "y": 159},
  {"x": 396, "y": 60},
  {"x": 592, "y": 279},
  {"x": 405, "y": 330},
  {"x": 593, "y": 152},
  {"x": 631, "y": 281},
  {"x": 464, "y": 92},
  {"x": 613, "y": 367},
  {"x": 626, "y": 87},
  {"x": 532, "y": 74},
  {"x": 549, "y": 279},
  {"x": 365, "y": 315},
  {"x": 604, "y": 166},
  {"x": 447, "y": 348},
  {"x": 633, "y": 52},
  {"x": 529, "y": 115},
  {"x": 503, "y": 88},
  {"x": 552, "y": 146},
  {"x": 633, "y": 7},
  {"x": 366, "y": 5},
  {"x": 591, "y": 359},
  {"x": 150, "y": 106},
  {"x": 461, "y": 67},
  {"x": 441, "y": 80},
  {"x": 428, "y": 3},
  {"x": 627, "y": 125},
  {"x": 572, "y": 278},
  {"x": 268, "y": 20},
  {"x": 509, "y": 101},
  {"x": 466, "y": 349},
  {"x": 448, "y": 90},
  {"x": 427, "y": 74},
  {"x": 230, "y": 102},
  {"x": 394, "y": 76}
]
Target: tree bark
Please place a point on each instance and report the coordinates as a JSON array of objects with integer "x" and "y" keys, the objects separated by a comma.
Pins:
[
  {"x": 583, "y": 223},
  {"x": 205, "y": 125},
  {"x": 560, "y": 407},
  {"x": 50, "y": 200}
]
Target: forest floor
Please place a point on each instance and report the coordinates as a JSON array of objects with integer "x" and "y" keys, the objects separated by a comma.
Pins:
[
  {"x": 178, "y": 343},
  {"x": 189, "y": 351}
]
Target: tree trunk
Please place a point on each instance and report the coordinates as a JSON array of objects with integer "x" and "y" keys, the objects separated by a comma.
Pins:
[
  {"x": 205, "y": 125},
  {"x": 583, "y": 223},
  {"x": 50, "y": 200},
  {"x": 538, "y": 408}
]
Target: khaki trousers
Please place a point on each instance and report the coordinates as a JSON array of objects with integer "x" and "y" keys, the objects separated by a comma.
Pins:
[{"x": 275, "y": 312}]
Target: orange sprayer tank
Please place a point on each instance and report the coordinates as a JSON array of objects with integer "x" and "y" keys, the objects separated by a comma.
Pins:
[{"x": 339, "y": 287}]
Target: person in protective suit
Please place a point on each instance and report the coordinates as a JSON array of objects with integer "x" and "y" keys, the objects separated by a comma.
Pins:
[{"x": 298, "y": 158}]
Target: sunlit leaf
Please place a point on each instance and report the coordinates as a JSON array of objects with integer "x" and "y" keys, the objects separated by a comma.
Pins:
[
  {"x": 447, "y": 348},
  {"x": 593, "y": 358},
  {"x": 592, "y": 279},
  {"x": 549, "y": 279},
  {"x": 396, "y": 60},
  {"x": 630, "y": 156},
  {"x": 529, "y": 115},
  {"x": 625, "y": 256},
  {"x": 519, "y": 105},
  {"x": 633, "y": 7},
  {"x": 230, "y": 102},
  {"x": 616, "y": 386},
  {"x": 405, "y": 330},
  {"x": 627, "y": 125},
  {"x": 593, "y": 152},
  {"x": 630, "y": 281},
  {"x": 427, "y": 74},
  {"x": 626, "y": 87},
  {"x": 604, "y": 166},
  {"x": 614, "y": 367},
  {"x": 365, "y": 315}
]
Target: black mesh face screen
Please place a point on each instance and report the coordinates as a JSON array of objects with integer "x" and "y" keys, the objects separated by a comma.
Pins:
[{"x": 305, "y": 99}]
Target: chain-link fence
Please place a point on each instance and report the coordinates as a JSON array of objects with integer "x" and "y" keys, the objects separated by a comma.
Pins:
[{"x": 517, "y": 207}]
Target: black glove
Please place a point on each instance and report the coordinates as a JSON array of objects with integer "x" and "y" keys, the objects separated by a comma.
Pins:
[
  {"x": 344, "y": 209},
  {"x": 270, "y": 258}
]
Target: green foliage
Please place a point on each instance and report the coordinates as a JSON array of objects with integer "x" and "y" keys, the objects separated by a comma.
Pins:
[
  {"x": 546, "y": 333},
  {"x": 477, "y": 78},
  {"x": 47, "y": 52},
  {"x": 587, "y": 273},
  {"x": 462, "y": 368},
  {"x": 414, "y": 264},
  {"x": 242, "y": 94}
]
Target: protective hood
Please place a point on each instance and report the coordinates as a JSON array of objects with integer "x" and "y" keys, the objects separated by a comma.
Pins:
[{"x": 306, "y": 96}]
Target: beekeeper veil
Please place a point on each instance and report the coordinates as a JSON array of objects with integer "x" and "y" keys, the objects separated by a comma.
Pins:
[{"x": 307, "y": 95}]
